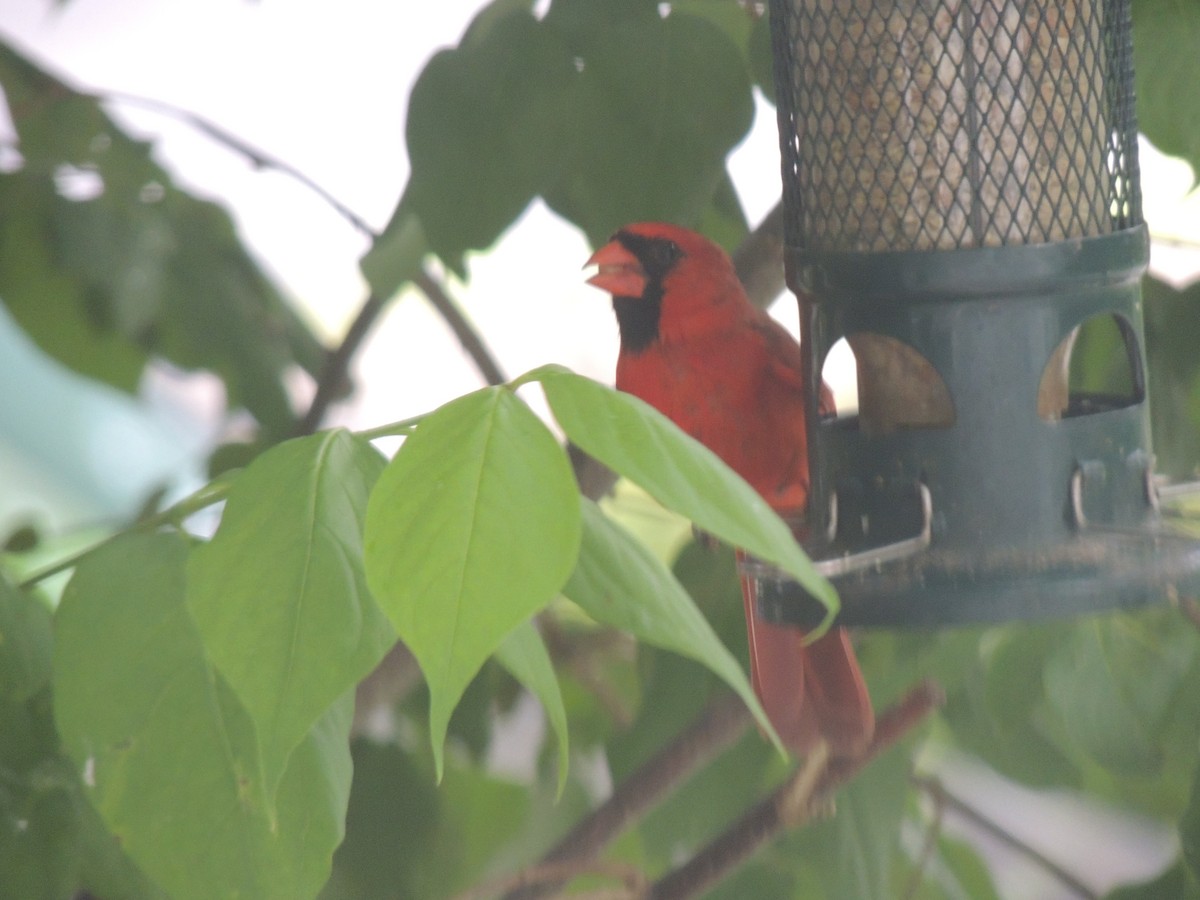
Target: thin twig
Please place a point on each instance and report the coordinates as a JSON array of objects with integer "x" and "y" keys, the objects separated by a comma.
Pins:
[
  {"x": 332, "y": 381},
  {"x": 471, "y": 342},
  {"x": 938, "y": 791},
  {"x": 257, "y": 157},
  {"x": 785, "y": 809},
  {"x": 721, "y": 723}
]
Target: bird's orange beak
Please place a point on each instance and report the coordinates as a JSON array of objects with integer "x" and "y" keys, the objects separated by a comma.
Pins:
[{"x": 619, "y": 271}]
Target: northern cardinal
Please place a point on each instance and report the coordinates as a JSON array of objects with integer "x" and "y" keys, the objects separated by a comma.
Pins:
[{"x": 695, "y": 347}]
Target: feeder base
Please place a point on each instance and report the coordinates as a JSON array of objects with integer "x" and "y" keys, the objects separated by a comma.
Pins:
[{"x": 1099, "y": 569}]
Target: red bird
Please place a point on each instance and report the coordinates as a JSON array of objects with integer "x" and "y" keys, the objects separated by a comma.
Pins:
[{"x": 695, "y": 347}]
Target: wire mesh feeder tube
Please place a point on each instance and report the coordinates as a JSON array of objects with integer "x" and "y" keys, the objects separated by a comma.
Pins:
[{"x": 960, "y": 189}]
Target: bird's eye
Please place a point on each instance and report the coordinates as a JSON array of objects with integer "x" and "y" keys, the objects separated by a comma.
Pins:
[{"x": 663, "y": 255}]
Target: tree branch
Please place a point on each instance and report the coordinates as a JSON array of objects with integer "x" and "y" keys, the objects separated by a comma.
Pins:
[
  {"x": 471, "y": 342},
  {"x": 721, "y": 723},
  {"x": 793, "y": 804},
  {"x": 332, "y": 382}
]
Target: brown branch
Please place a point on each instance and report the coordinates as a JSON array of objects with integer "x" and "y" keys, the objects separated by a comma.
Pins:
[
  {"x": 759, "y": 258},
  {"x": 721, "y": 723},
  {"x": 790, "y": 806},
  {"x": 940, "y": 795},
  {"x": 471, "y": 342},
  {"x": 332, "y": 382}
]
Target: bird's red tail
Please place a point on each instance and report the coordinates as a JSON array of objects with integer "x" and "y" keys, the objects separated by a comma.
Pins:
[{"x": 808, "y": 691}]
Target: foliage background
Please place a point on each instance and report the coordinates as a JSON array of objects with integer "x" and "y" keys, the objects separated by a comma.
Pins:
[{"x": 148, "y": 273}]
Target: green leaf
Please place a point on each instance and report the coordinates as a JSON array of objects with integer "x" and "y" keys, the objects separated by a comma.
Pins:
[
  {"x": 1172, "y": 319},
  {"x": 168, "y": 755},
  {"x": 279, "y": 595},
  {"x": 1166, "y": 34},
  {"x": 1189, "y": 830},
  {"x": 962, "y": 871},
  {"x": 525, "y": 656},
  {"x": 658, "y": 104},
  {"x": 637, "y": 441},
  {"x": 618, "y": 581},
  {"x": 390, "y": 827},
  {"x": 395, "y": 256},
  {"x": 472, "y": 528},
  {"x": 1177, "y": 883},
  {"x": 24, "y": 643},
  {"x": 1113, "y": 683},
  {"x": 479, "y": 120},
  {"x": 46, "y": 303}
]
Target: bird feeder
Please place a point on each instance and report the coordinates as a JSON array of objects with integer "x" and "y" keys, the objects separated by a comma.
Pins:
[{"x": 961, "y": 195}]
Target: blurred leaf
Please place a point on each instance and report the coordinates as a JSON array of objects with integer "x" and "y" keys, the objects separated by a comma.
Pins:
[
  {"x": 1113, "y": 683},
  {"x": 998, "y": 708},
  {"x": 1166, "y": 34},
  {"x": 958, "y": 873},
  {"x": 391, "y": 826},
  {"x": 480, "y": 119},
  {"x": 24, "y": 643},
  {"x": 619, "y": 582},
  {"x": 762, "y": 63},
  {"x": 443, "y": 555},
  {"x": 279, "y": 595},
  {"x": 635, "y": 440},
  {"x": 482, "y": 815},
  {"x": 524, "y": 655},
  {"x": 576, "y": 20},
  {"x": 724, "y": 220},
  {"x": 610, "y": 111},
  {"x": 21, "y": 539},
  {"x": 51, "y": 307},
  {"x": 395, "y": 256},
  {"x": 1189, "y": 829},
  {"x": 110, "y": 262},
  {"x": 656, "y": 107},
  {"x": 1176, "y": 883},
  {"x": 1172, "y": 320},
  {"x": 168, "y": 755}
]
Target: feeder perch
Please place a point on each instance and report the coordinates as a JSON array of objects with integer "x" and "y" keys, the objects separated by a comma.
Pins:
[{"x": 961, "y": 195}]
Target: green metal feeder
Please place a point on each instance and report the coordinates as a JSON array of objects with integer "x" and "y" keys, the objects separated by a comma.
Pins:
[{"x": 961, "y": 196}]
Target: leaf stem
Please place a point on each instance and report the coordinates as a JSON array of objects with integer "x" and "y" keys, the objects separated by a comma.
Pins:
[
  {"x": 212, "y": 493},
  {"x": 394, "y": 429},
  {"x": 795, "y": 803}
]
